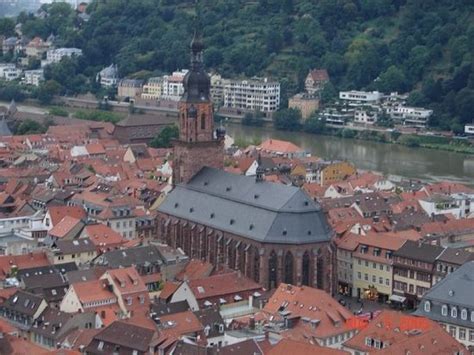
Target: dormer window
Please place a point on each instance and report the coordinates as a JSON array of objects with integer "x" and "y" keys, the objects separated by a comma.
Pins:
[
  {"x": 464, "y": 314},
  {"x": 444, "y": 310},
  {"x": 454, "y": 312},
  {"x": 427, "y": 306}
]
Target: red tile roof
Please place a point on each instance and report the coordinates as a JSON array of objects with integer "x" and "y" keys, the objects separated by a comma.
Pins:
[
  {"x": 401, "y": 332},
  {"x": 57, "y": 213},
  {"x": 25, "y": 261},
  {"x": 95, "y": 290},
  {"x": 103, "y": 237},
  {"x": 288, "y": 346},
  {"x": 278, "y": 146},
  {"x": 220, "y": 285},
  {"x": 169, "y": 289},
  {"x": 195, "y": 269},
  {"x": 127, "y": 280},
  {"x": 65, "y": 226},
  {"x": 319, "y": 75},
  {"x": 311, "y": 303}
]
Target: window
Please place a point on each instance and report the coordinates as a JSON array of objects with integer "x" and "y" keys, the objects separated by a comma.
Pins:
[
  {"x": 366, "y": 277},
  {"x": 366, "y": 263},
  {"x": 381, "y": 266},
  {"x": 427, "y": 306},
  {"x": 359, "y": 275},
  {"x": 471, "y": 335},
  {"x": 203, "y": 121},
  {"x": 358, "y": 261},
  {"x": 462, "y": 333},
  {"x": 374, "y": 265},
  {"x": 129, "y": 301},
  {"x": 381, "y": 280},
  {"x": 374, "y": 278},
  {"x": 472, "y": 316},
  {"x": 444, "y": 310},
  {"x": 387, "y": 282},
  {"x": 454, "y": 312},
  {"x": 464, "y": 314},
  {"x": 452, "y": 331}
]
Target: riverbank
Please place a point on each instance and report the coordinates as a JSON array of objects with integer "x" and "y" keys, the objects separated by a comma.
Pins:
[
  {"x": 393, "y": 136},
  {"x": 390, "y": 159}
]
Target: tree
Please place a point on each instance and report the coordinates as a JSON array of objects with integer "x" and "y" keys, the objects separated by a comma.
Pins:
[
  {"x": 287, "y": 119},
  {"x": 163, "y": 139},
  {"x": 7, "y": 27},
  {"x": 29, "y": 126},
  {"x": 315, "y": 125},
  {"x": 253, "y": 119},
  {"x": 393, "y": 79},
  {"x": 47, "y": 90}
]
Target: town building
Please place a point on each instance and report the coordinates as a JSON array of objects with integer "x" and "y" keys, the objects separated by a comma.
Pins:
[
  {"x": 413, "y": 266},
  {"x": 276, "y": 147},
  {"x": 449, "y": 261},
  {"x": 142, "y": 128},
  {"x": 397, "y": 333},
  {"x": 34, "y": 77},
  {"x": 366, "y": 116},
  {"x": 450, "y": 303},
  {"x": 270, "y": 232},
  {"x": 372, "y": 264},
  {"x": 307, "y": 104},
  {"x": 108, "y": 77},
  {"x": 37, "y": 47},
  {"x": 217, "y": 89},
  {"x": 316, "y": 80},
  {"x": 130, "y": 88},
  {"x": 80, "y": 251},
  {"x": 338, "y": 116},
  {"x": 411, "y": 116},
  {"x": 330, "y": 172},
  {"x": 252, "y": 95},
  {"x": 216, "y": 290},
  {"x": 172, "y": 85},
  {"x": 455, "y": 204},
  {"x": 153, "y": 89},
  {"x": 9, "y": 71},
  {"x": 55, "y": 55},
  {"x": 306, "y": 314},
  {"x": 22, "y": 308},
  {"x": 469, "y": 129},
  {"x": 360, "y": 98},
  {"x": 345, "y": 247},
  {"x": 124, "y": 338}
]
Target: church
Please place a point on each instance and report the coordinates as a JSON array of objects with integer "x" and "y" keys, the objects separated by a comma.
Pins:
[{"x": 270, "y": 232}]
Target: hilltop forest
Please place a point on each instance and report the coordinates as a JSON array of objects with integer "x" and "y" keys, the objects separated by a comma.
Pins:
[{"x": 424, "y": 47}]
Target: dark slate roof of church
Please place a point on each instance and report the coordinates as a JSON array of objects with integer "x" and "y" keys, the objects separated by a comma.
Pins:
[
  {"x": 261, "y": 211},
  {"x": 4, "y": 130}
]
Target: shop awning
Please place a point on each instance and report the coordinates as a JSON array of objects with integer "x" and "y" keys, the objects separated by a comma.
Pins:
[{"x": 397, "y": 298}]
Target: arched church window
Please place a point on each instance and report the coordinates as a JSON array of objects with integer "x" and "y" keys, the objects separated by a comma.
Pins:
[
  {"x": 306, "y": 268},
  {"x": 272, "y": 270},
  {"x": 203, "y": 121},
  {"x": 289, "y": 268}
]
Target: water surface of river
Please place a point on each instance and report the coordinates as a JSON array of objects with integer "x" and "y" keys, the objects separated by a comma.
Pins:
[{"x": 392, "y": 159}]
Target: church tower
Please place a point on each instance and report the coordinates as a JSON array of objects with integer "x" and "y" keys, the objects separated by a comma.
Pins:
[{"x": 198, "y": 144}]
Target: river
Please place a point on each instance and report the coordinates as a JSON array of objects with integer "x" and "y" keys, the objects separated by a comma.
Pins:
[{"x": 389, "y": 159}]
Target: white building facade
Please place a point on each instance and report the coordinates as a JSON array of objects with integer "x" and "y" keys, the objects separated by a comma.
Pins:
[
  {"x": 34, "y": 77},
  {"x": 252, "y": 95}
]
